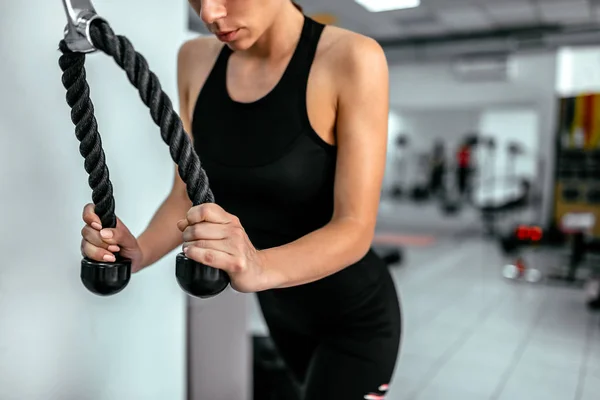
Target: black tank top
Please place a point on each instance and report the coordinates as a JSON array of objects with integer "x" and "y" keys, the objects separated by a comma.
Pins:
[
  {"x": 267, "y": 165},
  {"x": 264, "y": 161}
]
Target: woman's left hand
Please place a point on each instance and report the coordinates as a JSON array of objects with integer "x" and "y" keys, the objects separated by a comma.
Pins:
[{"x": 216, "y": 238}]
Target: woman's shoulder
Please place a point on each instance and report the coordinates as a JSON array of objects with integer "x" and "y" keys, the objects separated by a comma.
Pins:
[
  {"x": 195, "y": 60},
  {"x": 350, "y": 54},
  {"x": 198, "y": 51},
  {"x": 344, "y": 43}
]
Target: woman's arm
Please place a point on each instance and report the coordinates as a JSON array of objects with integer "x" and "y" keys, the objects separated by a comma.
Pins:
[{"x": 362, "y": 128}]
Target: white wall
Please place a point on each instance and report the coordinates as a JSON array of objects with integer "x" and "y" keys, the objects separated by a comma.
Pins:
[
  {"x": 432, "y": 86},
  {"x": 578, "y": 71},
  {"x": 449, "y": 125},
  {"x": 57, "y": 341},
  {"x": 531, "y": 85},
  {"x": 512, "y": 125}
]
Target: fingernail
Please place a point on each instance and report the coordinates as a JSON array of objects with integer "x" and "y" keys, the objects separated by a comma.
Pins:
[
  {"x": 114, "y": 249},
  {"x": 96, "y": 225},
  {"x": 109, "y": 258},
  {"x": 106, "y": 234}
]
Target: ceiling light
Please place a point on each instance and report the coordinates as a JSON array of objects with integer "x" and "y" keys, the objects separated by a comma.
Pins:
[{"x": 388, "y": 5}]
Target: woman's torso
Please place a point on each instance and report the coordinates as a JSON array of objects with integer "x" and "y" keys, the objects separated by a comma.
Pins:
[{"x": 268, "y": 148}]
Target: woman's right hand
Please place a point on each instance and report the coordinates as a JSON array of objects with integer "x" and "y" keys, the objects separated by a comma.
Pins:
[{"x": 99, "y": 244}]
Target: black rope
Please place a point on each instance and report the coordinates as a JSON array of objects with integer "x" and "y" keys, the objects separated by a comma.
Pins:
[{"x": 151, "y": 93}]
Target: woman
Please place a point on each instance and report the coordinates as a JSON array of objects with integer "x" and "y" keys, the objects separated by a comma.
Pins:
[{"x": 289, "y": 119}]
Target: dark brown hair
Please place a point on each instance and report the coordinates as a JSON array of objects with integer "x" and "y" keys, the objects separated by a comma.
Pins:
[{"x": 298, "y": 6}]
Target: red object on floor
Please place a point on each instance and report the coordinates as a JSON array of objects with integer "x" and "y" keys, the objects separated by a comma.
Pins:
[
  {"x": 526, "y": 232},
  {"x": 521, "y": 267}
]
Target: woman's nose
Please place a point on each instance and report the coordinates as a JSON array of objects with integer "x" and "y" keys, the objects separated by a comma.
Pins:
[{"x": 212, "y": 11}]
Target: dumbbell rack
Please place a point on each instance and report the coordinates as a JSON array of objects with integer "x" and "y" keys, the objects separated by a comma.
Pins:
[
  {"x": 578, "y": 178},
  {"x": 577, "y": 189}
]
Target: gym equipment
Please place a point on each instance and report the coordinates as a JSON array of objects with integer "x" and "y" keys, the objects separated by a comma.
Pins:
[
  {"x": 465, "y": 166},
  {"x": 487, "y": 144},
  {"x": 592, "y": 293},
  {"x": 453, "y": 198},
  {"x": 522, "y": 235},
  {"x": 504, "y": 196},
  {"x": 487, "y": 174},
  {"x": 451, "y": 202},
  {"x": 519, "y": 270},
  {"x": 572, "y": 236},
  {"x": 592, "y": 284},
  {"x": 577, "y": 228},
  {"x": 471, "y": 140},
  {"x": 389, "y": 254},
  {"x": 509, "y": 196},
  {"x": 593, "y": 196},
  {"x": 393, "y": 257},
  {"x": 451, "y": 207},
  {"x": 85, "y": 33},
  {"x": 419, "y": 191},
  {"x": 397, "y": 190},
  {"x": 437, "y": 167}
]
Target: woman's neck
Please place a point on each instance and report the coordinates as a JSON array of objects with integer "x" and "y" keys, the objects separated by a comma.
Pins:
[{"x": 281, "y": 38}]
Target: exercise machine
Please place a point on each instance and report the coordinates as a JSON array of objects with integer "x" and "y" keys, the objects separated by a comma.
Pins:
[{"x": 398, "y": 188}]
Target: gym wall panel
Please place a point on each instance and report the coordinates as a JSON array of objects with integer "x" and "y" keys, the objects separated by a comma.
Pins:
[{"x": 57, "y": 341}]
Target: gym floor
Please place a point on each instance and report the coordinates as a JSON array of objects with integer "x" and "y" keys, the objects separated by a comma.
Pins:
[{"x": 468, "y": 333}]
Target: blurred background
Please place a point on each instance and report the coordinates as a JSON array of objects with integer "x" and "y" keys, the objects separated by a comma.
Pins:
[{"x": 488, "y": 217}]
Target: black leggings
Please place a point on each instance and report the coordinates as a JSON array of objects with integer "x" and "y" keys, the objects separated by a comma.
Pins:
[{"x": 349, "y": 363}]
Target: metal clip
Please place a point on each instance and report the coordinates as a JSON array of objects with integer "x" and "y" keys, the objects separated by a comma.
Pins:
[{"x": 80, "y": 14}]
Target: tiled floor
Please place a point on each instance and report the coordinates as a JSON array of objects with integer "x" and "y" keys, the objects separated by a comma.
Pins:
[{"x": 471, "y": 335}]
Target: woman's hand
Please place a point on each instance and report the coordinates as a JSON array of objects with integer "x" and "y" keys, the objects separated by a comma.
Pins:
[
  {"x": 100, "y": 244},
  {"x": 216, "y": 238}
]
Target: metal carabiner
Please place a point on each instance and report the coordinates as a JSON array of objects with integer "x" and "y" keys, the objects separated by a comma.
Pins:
[{"x": 80, "y": 14}]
